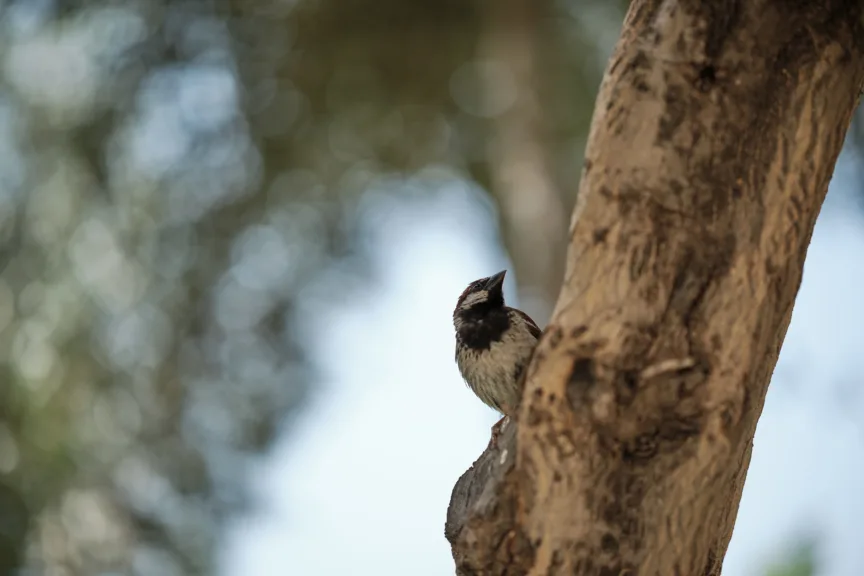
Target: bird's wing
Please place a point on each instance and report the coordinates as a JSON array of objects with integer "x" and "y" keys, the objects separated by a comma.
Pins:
[{"x": 532, "y": 326}]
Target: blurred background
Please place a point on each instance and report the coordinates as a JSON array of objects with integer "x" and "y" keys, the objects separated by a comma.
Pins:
[{"x": 232, "y": 233}]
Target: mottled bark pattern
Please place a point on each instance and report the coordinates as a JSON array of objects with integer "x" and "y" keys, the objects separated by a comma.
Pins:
[{"x": 715, "y": 135}]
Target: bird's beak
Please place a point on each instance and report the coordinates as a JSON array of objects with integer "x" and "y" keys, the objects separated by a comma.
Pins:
[{"x": 495, "y": 282}]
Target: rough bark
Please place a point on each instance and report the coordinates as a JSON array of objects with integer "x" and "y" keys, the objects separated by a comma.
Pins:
[{"x": 715, "y": 135}]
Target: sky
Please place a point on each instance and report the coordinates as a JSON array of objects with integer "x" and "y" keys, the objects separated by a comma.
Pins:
[{"x": 361, "y": 484}]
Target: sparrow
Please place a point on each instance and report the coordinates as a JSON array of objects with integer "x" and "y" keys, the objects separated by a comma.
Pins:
[{"x": 494, "y": 344}]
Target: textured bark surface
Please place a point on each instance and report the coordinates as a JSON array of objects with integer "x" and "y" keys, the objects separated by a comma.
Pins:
[{"x": 714, "y": 138}]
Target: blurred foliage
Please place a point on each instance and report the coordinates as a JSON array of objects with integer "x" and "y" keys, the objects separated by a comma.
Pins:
[
  {"x": 800, "y": 561},
  {"x": 180, "y": 184}
]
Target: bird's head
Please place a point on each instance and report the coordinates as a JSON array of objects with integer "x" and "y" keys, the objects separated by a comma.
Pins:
[{"x": 481, "y": 297}]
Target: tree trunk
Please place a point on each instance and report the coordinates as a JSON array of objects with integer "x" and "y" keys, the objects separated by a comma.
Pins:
[{"x": 715, "y": 135}]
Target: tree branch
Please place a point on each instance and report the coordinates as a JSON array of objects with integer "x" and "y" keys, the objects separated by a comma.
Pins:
[{"x": 715, "y": 135}]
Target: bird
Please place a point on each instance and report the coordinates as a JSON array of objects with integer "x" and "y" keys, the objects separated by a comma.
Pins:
[{"x": 494, "y": 344}]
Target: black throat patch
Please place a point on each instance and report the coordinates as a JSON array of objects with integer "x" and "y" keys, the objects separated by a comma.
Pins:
[{"x": 480, "y": 328}]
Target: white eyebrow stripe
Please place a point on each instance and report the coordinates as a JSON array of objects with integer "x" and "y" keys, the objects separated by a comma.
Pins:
[{"x": 475, "y": 298}]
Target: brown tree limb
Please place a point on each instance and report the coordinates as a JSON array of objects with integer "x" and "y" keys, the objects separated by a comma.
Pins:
[{"x": 715, "y": 135}]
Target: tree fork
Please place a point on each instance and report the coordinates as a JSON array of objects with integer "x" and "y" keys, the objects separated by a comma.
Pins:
[{"x": 715, "y": 134}]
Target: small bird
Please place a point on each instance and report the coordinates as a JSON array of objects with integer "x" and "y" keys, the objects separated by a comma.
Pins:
[{"x": 494, "y": 344}]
